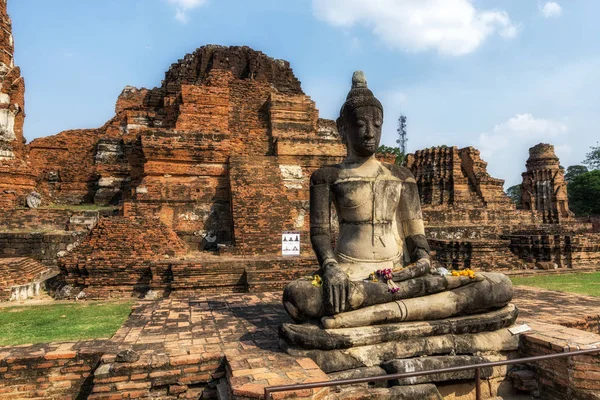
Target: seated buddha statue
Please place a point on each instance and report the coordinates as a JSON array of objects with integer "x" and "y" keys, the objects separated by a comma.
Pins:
[{"x": 381, "y": 255}]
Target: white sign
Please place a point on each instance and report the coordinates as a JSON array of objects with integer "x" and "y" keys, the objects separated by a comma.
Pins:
[
  {"x": 290, "y": 243},
  {"x": 515, "y": 330}
]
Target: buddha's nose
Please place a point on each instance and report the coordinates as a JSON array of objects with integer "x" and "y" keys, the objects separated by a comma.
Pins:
[{"x": 369, "y": 132}]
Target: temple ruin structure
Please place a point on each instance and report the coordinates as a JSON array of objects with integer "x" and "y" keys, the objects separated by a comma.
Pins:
[
  {"x": 471, "y": 223},
  {"x": 544, "y": 188},
  {"x": 16, "y": 177},
  {"x": 214, "y": 165}
]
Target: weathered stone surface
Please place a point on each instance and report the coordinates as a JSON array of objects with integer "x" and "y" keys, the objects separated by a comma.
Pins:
[
  {"x": 34, "y": 200},
  {"x": 436, "y": 362},
  {"x": 311, "y": 336},
  {"x": 22, "y": 278},
  {"x": 372, "y": 355},
  {"x": 494, "y": 291},
  {"x": 127, "y": 356},
  {"x": 366, "y": 372},
  {"x": 414, "y": 392}
]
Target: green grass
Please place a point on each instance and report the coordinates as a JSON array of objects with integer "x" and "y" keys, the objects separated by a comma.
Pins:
[
  {"x": 79, "y": 207},
  {"x": 588, "y": 284},
  {"x": 61, "y": 322}
]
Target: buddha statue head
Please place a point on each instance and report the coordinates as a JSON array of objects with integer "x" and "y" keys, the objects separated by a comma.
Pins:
[{"x": 360, "y": 119}]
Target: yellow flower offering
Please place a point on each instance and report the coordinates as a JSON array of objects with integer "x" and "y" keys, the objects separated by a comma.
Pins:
[
  {"x": 465, "y": 272},
  {"x": 317, "y": 281}
]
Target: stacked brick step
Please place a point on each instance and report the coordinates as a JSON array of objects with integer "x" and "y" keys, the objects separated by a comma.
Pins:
[
  {"x": 275, "y": 274},
  {"x": 212, "y": 276}
]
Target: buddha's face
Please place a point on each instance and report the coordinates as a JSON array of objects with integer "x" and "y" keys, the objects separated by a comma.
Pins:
[{"x": 363, "y": 130}]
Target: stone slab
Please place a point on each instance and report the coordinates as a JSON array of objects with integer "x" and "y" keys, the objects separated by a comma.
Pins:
[
  {"x": 312, "y": 336},
  {"x": 372, "y": 355}
]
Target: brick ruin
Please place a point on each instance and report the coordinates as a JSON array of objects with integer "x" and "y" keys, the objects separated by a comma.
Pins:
[
  {"x": 220, "y": 154},
  {"x": 472, "y": 223},
  {"x": 217, "y": 159},
  {"x": 544, "y": 188},
  {"x": 17, "y": 179}
]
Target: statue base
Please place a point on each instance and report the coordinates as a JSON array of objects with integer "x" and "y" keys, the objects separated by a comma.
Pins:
[{"x": 405, "y": 347}]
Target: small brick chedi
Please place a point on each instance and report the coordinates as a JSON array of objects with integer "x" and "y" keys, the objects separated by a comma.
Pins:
[
  {"x": 544, "y": 188},
  {"x": 471, "y": 223}
]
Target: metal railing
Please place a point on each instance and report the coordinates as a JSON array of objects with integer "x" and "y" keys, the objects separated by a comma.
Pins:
[{"x": 477, "y": 367}]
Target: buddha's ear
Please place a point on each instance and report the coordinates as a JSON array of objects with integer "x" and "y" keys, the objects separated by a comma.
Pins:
[{"x": 341, "y": 129}]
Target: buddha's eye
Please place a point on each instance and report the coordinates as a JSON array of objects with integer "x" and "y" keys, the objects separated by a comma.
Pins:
[
  {"x": 360, "y": 123},
  {"x": 377, "y": 123}
]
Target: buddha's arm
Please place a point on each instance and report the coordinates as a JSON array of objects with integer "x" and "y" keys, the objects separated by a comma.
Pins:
[
  {"x": 335, "y": 280},
  {"x": 410, "y": 221},
  {"x": 320, "y": 219}
]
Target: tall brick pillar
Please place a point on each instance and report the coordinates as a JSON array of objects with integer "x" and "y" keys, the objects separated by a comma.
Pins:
[
  {"x": 16, "y": 177},
  {"x": 544, "y": 188}
]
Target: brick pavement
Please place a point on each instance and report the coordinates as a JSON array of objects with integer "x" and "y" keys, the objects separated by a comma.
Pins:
[
  {"x": 561, "y": 308},
  {"x": 186, "y": 348}
]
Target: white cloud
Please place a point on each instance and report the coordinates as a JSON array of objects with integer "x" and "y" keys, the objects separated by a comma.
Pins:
[
  {"x": 183, "y": 6},
  {"x": 522, "y": 129},
  {"x": 181, "y": 16},
  {"x": 551, "y": 10},
  {"x": 452, "y": 27},
  {"x": 505, "y": 147}
]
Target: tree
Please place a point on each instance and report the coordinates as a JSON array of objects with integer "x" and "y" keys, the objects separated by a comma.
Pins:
[
  {"x": 592, "y": 159},
  {"x": 514, "y": 192},
  {"x": 383, "y": 149},
  {"x": 584, "y": 193},
  {"x": 574, "y": 171}
]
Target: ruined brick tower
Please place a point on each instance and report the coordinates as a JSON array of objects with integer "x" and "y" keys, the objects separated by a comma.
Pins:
[
  {"x": 16, "y": 179},
  {"x": 544, "y": 188}
]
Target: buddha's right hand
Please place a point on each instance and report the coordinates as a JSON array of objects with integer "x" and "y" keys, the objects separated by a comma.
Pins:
[
  {"x": 421, "y": 268},
  {"x": 335, "y": 285}
]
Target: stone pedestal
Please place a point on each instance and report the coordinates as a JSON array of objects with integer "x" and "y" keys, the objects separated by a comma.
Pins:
[{"x": 407, "y": 347}]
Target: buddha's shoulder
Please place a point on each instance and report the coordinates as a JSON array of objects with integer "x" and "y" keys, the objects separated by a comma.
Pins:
[
  {"x": 400, "y": 172},
  {"x": 326, "y": 174}
]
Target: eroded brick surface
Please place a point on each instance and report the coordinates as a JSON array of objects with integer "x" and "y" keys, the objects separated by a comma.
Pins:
[
  {"x": 471, "y": 223},
  {"x": 16, "y": 177}
]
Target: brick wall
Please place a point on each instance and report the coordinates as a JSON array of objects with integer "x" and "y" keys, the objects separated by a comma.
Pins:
[
  {"x": 572, "y": 378},
  {"x": 49, "y": 370}
]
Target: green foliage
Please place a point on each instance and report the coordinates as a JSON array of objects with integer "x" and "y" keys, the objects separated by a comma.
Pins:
[
  {"x": 574, "y": 171},
  {"x": 61, "y": 322},
  {"x": 584, "y": 192},
  {"x": 588, "y": 284},
  {"x": 592, "y": 159},
  {"x": 383, "y": 149},
  {"x": 514, "y": 192}
]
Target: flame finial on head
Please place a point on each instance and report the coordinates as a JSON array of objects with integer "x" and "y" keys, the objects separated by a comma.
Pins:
[{"x": 359, "y": 80}]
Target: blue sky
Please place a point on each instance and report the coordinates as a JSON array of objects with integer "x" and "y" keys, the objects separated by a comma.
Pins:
[{"x": 498, "y": 75}]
